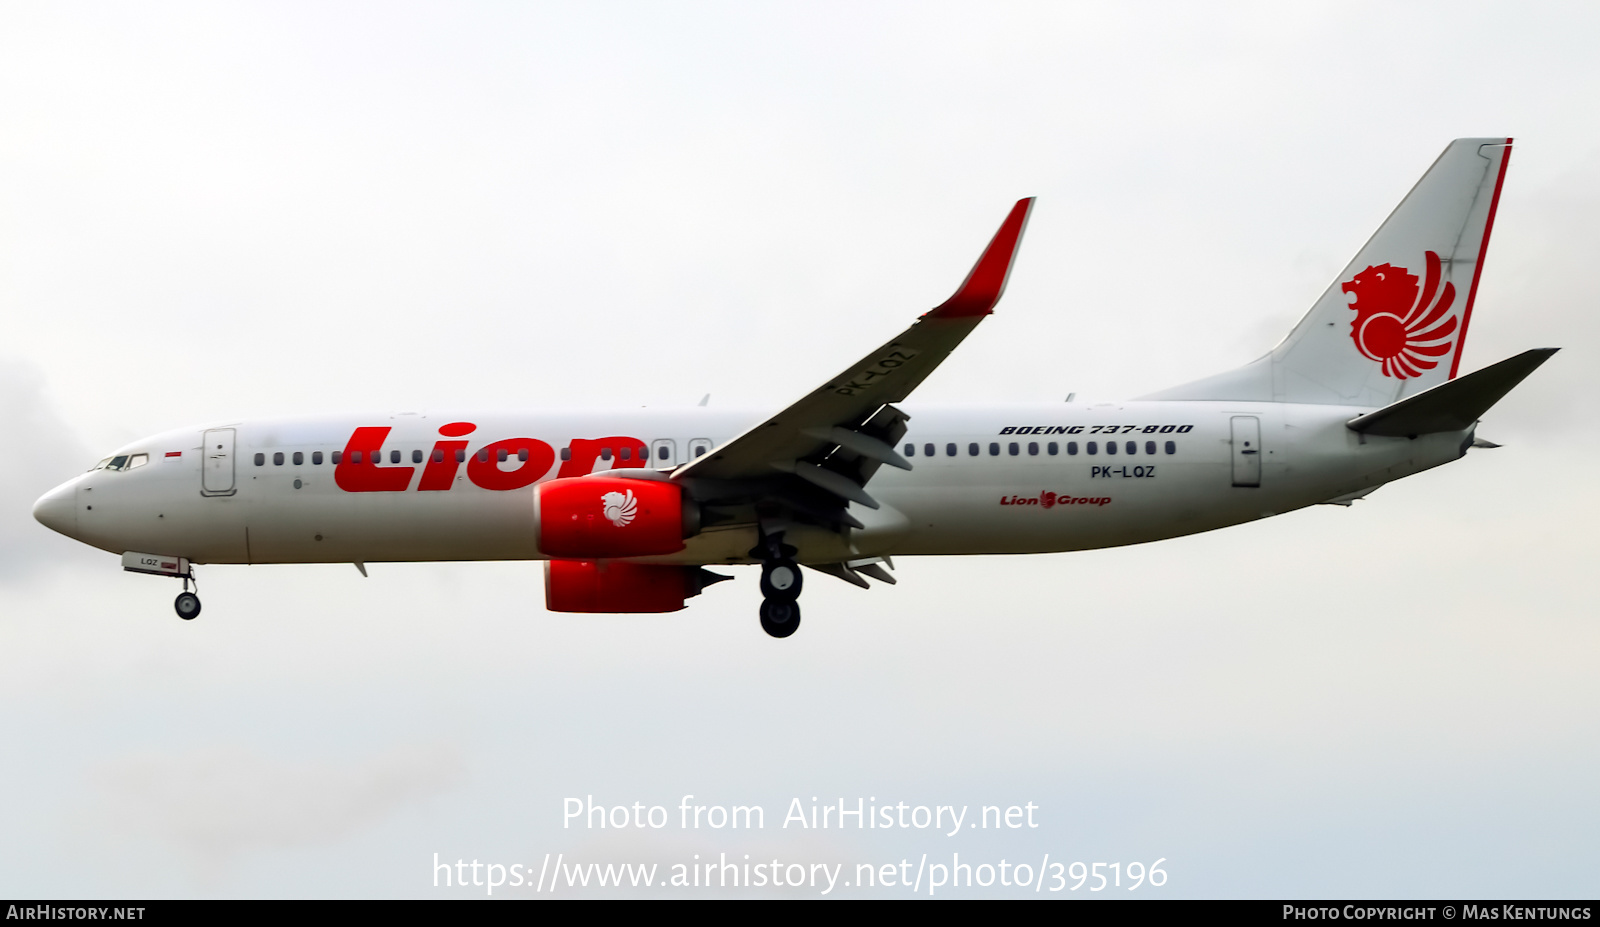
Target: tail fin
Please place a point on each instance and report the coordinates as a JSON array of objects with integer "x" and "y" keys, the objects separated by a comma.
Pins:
[{"x": 1394, "y": 322}]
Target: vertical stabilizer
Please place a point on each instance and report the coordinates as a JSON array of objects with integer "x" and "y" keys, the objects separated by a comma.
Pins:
[{"x": 1394, "y": 322}]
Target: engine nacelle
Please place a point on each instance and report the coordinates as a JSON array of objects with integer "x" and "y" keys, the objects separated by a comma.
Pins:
[
  {"x": 598, "y": 518},
  {"x": 619, "y": 586}
]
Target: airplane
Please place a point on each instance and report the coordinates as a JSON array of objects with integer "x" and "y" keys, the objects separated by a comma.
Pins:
[{"x": 628, "y": 509}]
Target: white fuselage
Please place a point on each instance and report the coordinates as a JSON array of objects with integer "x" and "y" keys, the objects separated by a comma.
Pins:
[{"x": 210, "y": 500}]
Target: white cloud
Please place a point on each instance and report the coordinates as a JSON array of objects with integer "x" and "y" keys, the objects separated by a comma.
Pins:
[
  {"x": 214, "y": 804},
  {"x": 41, "y": 451}
]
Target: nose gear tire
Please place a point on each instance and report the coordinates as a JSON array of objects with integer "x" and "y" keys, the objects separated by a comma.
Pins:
[{"x": 187, "y": 606}]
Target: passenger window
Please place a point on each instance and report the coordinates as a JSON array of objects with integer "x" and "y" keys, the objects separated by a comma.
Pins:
[
  {"x": 1132, "y": 447},
  {"x": 911, "y": 450},
  {"x": 261, "y": 459},
  {"x": 699, "y": 447},
  {"x": 994, "y": 448},
  {"x": 700, "y": 450},
  {"x": 661, "y": 452},
  {"x": 416, "y": 456},
  {"x": 461, "y": 455},
  {"x": 394, "y": 457},
  {"x": 949, "y": 450},
  {"x": 1149, "y": 447},
  {"x": 605, "y": 453},
  {"x": 335, "y": 456},
  {"x": 483, "y": 455},
  {"x": 928, "y": 450},
  {"x": 437, "y": 456},
  {"x": 299, "y": 458},
  {"x": 355, "y": 457},
  {"x": 1093, "y": 448},
  {"x": 1172, "y": 447},
  {"x": 1033, "y": 449},
  {"x": 626, "y": 453},
  {"x": 522, "y": 454},
  {"x": 972, "y": 449},
  {"x": 1052, "y": 448},
  {"x": 1072, "y": 448},
  {"x": 566, "y": 453},
  {"x": 501, "y": 455},
  {"x": 1012, "y": 449},
  {"x": 316, "y": 458},
  {"x": 277, "y": 459},
  {"x": 1111, "y": 447}
]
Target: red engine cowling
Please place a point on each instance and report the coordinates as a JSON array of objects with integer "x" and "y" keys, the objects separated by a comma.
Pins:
[
  {"x": 617, "y": 586},
  {"x": 595, "y": 517}
]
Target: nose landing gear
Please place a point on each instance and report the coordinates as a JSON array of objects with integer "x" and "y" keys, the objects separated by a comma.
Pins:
[{"x": 187, "y": 604}]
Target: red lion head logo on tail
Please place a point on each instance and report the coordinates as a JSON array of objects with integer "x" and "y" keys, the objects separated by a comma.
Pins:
[{"x": 1395, "y": 326}]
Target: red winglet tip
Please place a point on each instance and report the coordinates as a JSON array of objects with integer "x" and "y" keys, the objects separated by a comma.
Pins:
[{"x": 984, "y": 286}]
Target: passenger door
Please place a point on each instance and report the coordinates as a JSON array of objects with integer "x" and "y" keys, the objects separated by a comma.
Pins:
[
  {"x": 216, "y": 458},
  {"x": 1246, "y": 450}
]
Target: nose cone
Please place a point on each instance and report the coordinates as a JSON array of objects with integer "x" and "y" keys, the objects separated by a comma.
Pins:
[{"x": 58, "y": 509}]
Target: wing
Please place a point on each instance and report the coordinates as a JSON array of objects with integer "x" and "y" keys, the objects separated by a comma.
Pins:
[{"x": 837, "y": 436}]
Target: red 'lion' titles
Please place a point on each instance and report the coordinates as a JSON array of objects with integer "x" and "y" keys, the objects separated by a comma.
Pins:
[{"x": 499, "y": 466}]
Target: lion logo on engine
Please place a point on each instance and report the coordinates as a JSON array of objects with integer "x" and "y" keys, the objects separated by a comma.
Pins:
[{"x": 619, "y": 507}]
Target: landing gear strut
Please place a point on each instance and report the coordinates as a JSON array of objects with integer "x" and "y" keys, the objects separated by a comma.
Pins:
[
  {"x": 780, "y": 586},
  {"x": 187, "y": 605}
]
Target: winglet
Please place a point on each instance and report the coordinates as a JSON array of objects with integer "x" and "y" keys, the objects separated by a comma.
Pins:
[{"x": 983, "y": 287}]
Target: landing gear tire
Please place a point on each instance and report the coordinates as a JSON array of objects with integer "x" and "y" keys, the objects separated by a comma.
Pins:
[
  {"x": 187, "y": 606},
  {"x": 781, "y": 579},
  {"x": 780, "y": 617}
]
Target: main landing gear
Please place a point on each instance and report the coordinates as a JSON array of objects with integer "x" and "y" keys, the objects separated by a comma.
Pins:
[
  {"x": 780, "y": 618},
  {"x": 780, "y": 586}
]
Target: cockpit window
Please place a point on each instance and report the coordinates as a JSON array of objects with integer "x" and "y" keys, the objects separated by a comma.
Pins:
[{"x": 122, "y": 462}]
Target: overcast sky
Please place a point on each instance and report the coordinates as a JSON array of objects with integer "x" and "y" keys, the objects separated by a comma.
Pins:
[{"x": 218, "y": 211}]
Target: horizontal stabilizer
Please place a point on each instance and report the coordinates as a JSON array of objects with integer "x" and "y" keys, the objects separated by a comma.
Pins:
[{"x": 1453, "y": 405}]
